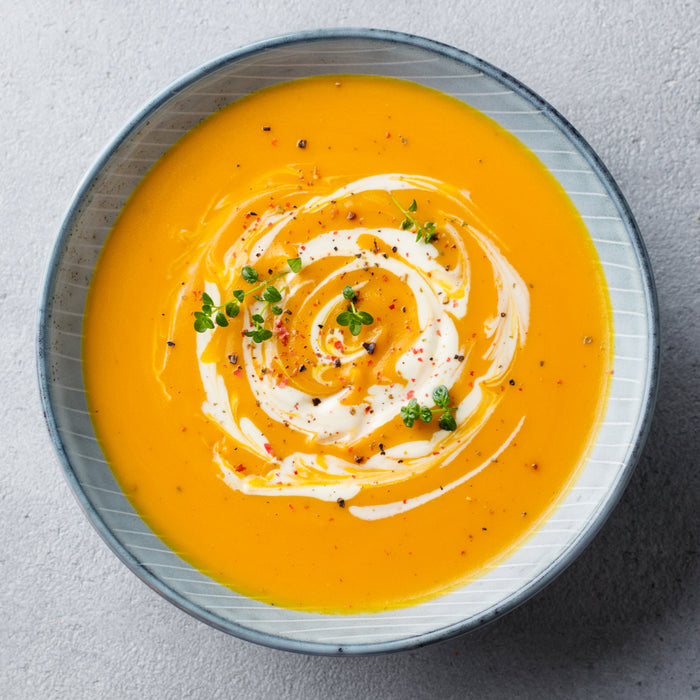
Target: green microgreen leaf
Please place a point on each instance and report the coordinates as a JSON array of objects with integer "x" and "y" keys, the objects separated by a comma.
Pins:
[
  {"x": 249, "y": 274},
  {"x": 412, "y": 411},
  {"x": 352, "y": 318},
  {"x": 272, "y": 294},
  {"x": 203, "y": 318},
  {"x": 343, "y": 318},
  {"x": 425, "y": 232},
  {"x": 406, "y": 417},
  {"x": 426, "y": 415},
  {"x": 447, "y": 421},
  {"x": 261, "y": 335},
  {"x": 441, "y": 396}
]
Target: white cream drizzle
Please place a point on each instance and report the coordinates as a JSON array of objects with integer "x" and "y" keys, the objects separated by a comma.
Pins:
[{"x": 427, "y": 282}]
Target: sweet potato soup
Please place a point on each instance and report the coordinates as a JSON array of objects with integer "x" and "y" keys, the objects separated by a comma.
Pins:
[{"x": 347, "y": 345}]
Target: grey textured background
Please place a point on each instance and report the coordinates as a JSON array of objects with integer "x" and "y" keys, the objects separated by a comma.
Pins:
[{"x": 622, "y": 622}]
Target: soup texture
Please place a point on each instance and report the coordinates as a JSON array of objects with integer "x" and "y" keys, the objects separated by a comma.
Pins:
[{"x": 347, "y": 345}]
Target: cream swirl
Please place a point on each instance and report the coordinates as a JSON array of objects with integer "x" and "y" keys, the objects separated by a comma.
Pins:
[{"x": 439, "y": 351}]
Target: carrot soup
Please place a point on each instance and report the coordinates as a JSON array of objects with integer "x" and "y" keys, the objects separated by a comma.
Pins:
[{"x": 347, "y": 345}]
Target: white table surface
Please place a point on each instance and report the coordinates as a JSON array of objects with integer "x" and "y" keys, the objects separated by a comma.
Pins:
[{"x": 622, "y": 622}]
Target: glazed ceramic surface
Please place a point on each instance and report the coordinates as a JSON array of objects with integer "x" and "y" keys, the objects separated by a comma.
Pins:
[{"x": 562, "y": 151}]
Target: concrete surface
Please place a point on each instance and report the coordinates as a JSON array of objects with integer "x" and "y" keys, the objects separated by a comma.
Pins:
[{"x": 622, "y": 622}]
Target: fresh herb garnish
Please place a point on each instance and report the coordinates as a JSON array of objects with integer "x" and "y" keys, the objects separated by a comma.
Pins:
[
  {"x": 203, "y": 319},
  {"x": 412, "y": 411},
  {"x": 352, "y": 318},
  {"x": 424, "y": 232}
]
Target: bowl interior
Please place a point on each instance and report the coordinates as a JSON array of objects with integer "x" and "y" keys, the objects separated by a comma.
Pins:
[{"x": 560, "y": 149}]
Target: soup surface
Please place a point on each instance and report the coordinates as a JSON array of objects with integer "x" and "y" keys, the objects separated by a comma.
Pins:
[{"x": 401, "y": 353}]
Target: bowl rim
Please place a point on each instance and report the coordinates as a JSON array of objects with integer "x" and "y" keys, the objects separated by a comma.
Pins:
[{"x": 556, "y": 566}]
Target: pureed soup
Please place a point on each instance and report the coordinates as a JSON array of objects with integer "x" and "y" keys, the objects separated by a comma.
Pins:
[{"x": 347, "y": 345}]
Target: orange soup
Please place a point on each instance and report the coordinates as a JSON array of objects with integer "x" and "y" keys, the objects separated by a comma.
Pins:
[{"x": 347, "y": 345}]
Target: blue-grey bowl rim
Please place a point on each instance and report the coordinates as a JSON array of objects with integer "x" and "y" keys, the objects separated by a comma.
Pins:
[{"x": 558, "y": 565}]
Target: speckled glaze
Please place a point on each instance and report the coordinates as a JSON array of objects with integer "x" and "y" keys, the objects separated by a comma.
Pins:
[{"x": 570, "y": 160}]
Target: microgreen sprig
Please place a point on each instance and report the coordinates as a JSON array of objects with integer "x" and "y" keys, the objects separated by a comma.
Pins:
[
  {"x": 352, "y": 318},
  {"x": 412, "y": 411},
  {"x": 271, "y": 295},
  {"x": 424, "y": 232}
]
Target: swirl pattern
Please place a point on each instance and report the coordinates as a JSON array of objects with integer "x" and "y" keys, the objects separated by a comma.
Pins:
[{"x": 339, "y": 396}]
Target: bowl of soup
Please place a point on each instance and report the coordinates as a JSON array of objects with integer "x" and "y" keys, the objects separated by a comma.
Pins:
[{"x": 348, "y": 343}]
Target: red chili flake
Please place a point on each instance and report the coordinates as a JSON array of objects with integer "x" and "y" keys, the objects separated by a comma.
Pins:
[
  {"x": 404, "y": 500},
  {"x": 410, "y": 394},
  {"x": 240, "y": 468},
  {"x": 274, "y": 142},
  {"x": 237, "y": 372},
  {"x": 392, "y": 307},
  {"x": 268, "y": 447}
]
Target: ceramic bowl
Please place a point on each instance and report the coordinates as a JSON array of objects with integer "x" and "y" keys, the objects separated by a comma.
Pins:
[{"x": 562, "y": 151}]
